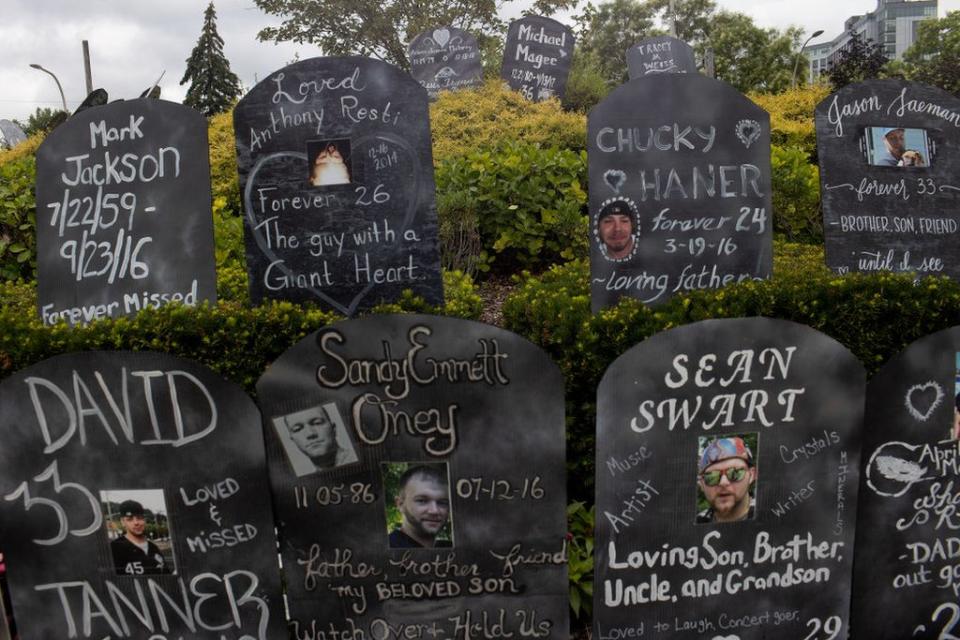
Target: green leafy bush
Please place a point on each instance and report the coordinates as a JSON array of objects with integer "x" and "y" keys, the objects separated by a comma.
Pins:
[
  {"x": 529, "y": 203},
  {"x": 231, "y": 337},
  {"x": 791, "y": 116},
  {"x": 875, "y": 316},
  {"x": 18, "y": 211},
  {"x": 796, "y": 195},
  {"x": 586, "y": 86},
  {"x": 580, "y": 540},
  {"x": 225, "y": 186},
  {"x": 464, "y": 121}
]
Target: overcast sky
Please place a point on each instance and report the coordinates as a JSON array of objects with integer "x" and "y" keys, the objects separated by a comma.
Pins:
[{"x": 133, "y": 41}]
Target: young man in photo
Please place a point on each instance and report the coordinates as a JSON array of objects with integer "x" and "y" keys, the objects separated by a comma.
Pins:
[
  {"x": 315, "y": 434},
  {"x": 423, "y": 499},
  {"x": 615, "y": 229},
  {"x": 133, "y": 553},
  {"x": 726, "y": 473}
]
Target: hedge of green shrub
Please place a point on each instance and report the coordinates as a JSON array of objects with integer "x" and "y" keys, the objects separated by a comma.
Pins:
[
  {"x": 796, "y": 195},
  {"x": 875, "y": 316},
  {"x": 231, "y": 337},
  {"x": 791, "y": 116},
  {"x": 18, "y": 219},
  {"x": 529, "y": 204},
  {"x": 464, "y": 121}
]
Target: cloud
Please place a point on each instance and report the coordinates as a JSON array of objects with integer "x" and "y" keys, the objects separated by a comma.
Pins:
[{"x": 131, "y": 44}]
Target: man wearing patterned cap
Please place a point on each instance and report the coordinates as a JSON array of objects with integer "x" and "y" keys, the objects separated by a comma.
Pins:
[
  {"x": 725, "y": 474},
  {"x": 615, "y": 230},
  {"x": 133, "y": 553}
]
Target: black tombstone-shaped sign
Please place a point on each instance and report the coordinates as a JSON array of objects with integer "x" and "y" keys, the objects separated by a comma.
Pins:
[
  {"x": 107, "y": 452},
  {"x": 662, "y": 54},
  {"x": 123, "y": 212},
  {"x": 336, "y": 174},
  {"x": 536, "y": 57},
  {"x": 391, "y": 433},
  {"x": 679, "y": 190},
  {"x": 445, "y": 59},
  {"x": 906, "y": 574},
  {"x": 890, "y": 181},
  {"x": 727, "y": 456}
]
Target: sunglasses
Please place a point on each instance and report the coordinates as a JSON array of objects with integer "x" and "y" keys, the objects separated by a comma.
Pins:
[{"x": 733, "y": 474}]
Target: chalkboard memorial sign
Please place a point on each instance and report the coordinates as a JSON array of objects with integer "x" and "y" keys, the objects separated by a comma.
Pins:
[
  {"x": 123, "y": 212},
  {"x": 445, "y": 59},
  {"x": 727, "y": 455},
  {"x": 889, "y": 180},
  {"x": 679, "y": 190},
  {"x": 537, "y": 57},
  {"x": 662, "y": 54},
  {"x": 336, "y": 174},
  {"x": 906, "y": 579},
  {"x": 135, "y": 502},
  {"x": 417, "y": 465}
]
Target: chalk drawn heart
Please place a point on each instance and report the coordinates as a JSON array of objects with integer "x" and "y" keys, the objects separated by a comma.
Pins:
[
  {"x": 441, "y": 37},
  {"x": 730, "y": 637},
  {"x": 749, "y": 132},
  {"x": 922, "y": 399},
  {"x": 615, "y": 179},
  {"x": 347, "y": 308},
  {"x": 843, "y": 270}
]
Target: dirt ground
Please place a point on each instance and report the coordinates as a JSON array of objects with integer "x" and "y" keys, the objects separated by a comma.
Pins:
[{"x": 493, "y": 292}]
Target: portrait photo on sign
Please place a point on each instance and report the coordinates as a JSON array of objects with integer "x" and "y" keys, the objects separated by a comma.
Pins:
[
  {"x": 726, "y": 478},
  {"x": 617, "y": 229},
  {"x": 898, "y": 147},
  {"x": 138, "y": 531},
  {"x": 315, "y": 439},
  {"x": 329, "y": 162},
  {"x": 417, "y": 505}
]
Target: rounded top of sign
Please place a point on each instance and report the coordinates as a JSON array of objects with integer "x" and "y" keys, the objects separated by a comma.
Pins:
[
  {"x": 152, "y": 107},
  {"x": 654, "y": 39},
  {"x": 331, "y": 73},
  {"x": 745, "y": 331},
  {"x": 91, "y": 359},
  {"x": 922, "y": 352},
  {"x": 543, "y": 20},
  {"x": 888, "y": 86},
  {"x": 442, "y": 36},
  {"x": 383, "y": 326},
  {"x": 692, "y": 90}
]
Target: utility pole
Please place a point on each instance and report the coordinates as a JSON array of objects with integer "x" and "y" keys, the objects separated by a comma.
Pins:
[
  {"x": 673, "y": 19},
  {"x": 86, "y": 67}
]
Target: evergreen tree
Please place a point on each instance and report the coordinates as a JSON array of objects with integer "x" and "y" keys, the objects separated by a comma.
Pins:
[{"x": 213, "y": 87}]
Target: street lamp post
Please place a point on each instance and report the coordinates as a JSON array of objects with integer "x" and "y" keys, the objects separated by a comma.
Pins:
[
  {"x": 62, "y": 98},
  {"x": 793, "y": 82}
]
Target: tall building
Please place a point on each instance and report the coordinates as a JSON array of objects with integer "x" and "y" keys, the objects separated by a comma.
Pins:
[{"x": 892, "y": 24}]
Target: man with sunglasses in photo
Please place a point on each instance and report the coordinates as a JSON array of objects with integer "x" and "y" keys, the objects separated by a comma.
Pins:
[{"x": 726, "y": 474}]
